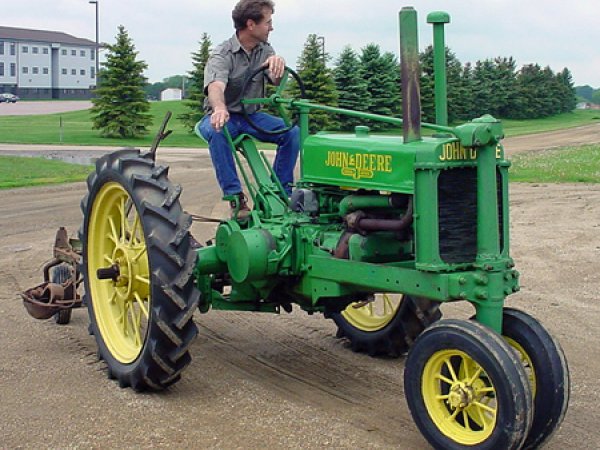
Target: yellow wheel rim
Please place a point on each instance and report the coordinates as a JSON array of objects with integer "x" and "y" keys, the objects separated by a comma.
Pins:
[
  {"x": 459, "y": 397},
  {"x": 374, "y": 314},
  {"x": 527, "y": 363},
  {"x": 115, "y": 238}
]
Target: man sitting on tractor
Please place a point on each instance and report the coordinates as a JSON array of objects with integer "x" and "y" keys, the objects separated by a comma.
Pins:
[{"x": 224, "y": 77}]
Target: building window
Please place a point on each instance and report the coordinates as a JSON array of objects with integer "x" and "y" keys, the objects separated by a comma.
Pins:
[
  {"x": 92, "y": 72},
  {"x": 63, "y": 71},
  {"x": 35, "y": 70},
  {"x": 45, "y": 50},
  {"x": 73, "y": 52},
  {"x": 1, "y": 69},
  {"x": 92, "y": 54},
  {"x": 13, "y": 49},
  {"x": 45, "y": 70},
  {"x": 81, "y": 52},
  {"x": 1, "y": 47},
  {"x": 25, "y": 69},
  {"x": 63, "y": 52},
  {"x": 82, "y": 72},
  {"x": 35, "y": 50},
  {"x": 13, "y": 69},
  {"x": 25, "y": 49},
  {"x": 73, "y": 71}
]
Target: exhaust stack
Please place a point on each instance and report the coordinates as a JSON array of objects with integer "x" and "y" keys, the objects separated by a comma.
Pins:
[{"x": 411, "y": 73}]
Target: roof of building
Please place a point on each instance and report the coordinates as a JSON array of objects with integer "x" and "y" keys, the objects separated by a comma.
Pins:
[{"x": 24, "y": 34}]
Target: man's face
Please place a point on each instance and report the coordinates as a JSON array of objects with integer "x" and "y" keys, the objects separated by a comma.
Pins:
[{"x": 260, "y": 30}]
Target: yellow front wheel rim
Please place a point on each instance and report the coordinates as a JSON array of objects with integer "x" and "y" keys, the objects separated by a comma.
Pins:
[
  {"x": 373, "y": 314},
  {"x": 121, "y": 305},
  {"x": 459, "y": 397}
]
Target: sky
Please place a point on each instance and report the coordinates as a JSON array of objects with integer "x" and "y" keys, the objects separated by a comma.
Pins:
[{"x": 555, "y": 33}]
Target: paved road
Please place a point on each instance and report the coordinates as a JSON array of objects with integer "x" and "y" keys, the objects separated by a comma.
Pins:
[{"x": 46, "y": 107}]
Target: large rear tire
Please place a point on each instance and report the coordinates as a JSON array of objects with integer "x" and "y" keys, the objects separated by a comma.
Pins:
[
  {"x": 388, "y": 325},
  {"x": 137, "y": 270}
]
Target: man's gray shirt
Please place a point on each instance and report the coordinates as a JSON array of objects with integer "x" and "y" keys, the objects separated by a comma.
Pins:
[{"x": 231, "y": 64}]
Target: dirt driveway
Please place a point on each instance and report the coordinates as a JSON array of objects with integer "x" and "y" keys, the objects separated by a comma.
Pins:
[{"x": 262, "y": 381}]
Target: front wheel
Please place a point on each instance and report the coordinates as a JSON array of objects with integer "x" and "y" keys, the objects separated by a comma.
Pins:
[
  {"x": 547, "y": 371},
  {"x": 467, "y": 389},
  {"x": 137, "y": 269}
]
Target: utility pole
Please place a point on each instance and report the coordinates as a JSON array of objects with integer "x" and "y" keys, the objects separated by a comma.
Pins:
[{"x": 95, "y": 2}]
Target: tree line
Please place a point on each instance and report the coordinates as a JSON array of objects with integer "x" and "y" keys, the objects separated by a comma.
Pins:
[{"x": 367, "y": 81}]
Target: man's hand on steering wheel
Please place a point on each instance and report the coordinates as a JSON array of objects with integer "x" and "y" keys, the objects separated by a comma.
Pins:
[{"x": 276, "y": 65}]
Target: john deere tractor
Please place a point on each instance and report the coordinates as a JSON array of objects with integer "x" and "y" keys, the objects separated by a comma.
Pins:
[{"x": 379, "y": 232}]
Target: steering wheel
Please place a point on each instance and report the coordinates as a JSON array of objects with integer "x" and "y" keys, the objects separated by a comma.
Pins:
[{"x": 272, "y": 100}]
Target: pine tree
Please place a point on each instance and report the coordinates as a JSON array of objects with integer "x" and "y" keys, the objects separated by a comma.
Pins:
[
  {"x": 194, "y": 103},
  {"x": 120, "y": 106},
  {"x": 383, "y": 82},
  {"x": 351, "y": 87},
  {"x": 568, "y": 98},
  {"x": 318, "y": 83}
]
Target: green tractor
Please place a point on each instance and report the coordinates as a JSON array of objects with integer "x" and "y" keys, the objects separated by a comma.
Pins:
[{"x": 379, "y": 232}]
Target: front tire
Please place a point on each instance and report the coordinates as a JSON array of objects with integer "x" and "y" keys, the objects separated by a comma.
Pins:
[
  {"x": 137, "y": 270},
  {"x": 547, "y": 371},
  {"x": 467, "y": 389}
]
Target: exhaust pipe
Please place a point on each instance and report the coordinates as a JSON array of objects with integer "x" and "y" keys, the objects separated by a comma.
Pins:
[{"x": 411, "y": 73}]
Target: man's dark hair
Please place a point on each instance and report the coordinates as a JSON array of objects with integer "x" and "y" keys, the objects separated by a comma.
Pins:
[{"x": 250, "y": 10}]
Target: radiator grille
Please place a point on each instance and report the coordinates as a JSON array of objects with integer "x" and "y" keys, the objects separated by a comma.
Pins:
[{"x": 457, "y": 212}]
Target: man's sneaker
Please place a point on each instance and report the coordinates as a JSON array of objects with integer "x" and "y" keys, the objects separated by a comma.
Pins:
[{"x": 239, "y": 207}]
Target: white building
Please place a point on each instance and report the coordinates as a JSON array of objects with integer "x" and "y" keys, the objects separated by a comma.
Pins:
[
  {"x": 39, "y": 64},
  {"x": 171, "y": 94}
]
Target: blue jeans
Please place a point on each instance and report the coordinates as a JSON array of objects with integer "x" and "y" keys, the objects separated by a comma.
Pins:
[{"x": 288, "y": 146}]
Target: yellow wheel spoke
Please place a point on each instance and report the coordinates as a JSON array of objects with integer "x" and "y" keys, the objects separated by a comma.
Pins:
[
  {"x": 140, "y": 302},
  {"x": 134, "y": 228},
  {"x": 442, "y": 397},
  {"x": 443, "y": 378},
  {"x": 136, "y": 321},
  {"x": 466, "y": 420},
  {"x": 485, "y": 390},
  {"x": 140, "y": 254},
  {"x": 123, "y": 216},
  {"x": 476, "y": 375},
  {"x": 142, "y": 279},
  {"x": 452, "y": 417},
  {"x": 113, "y": 298},
  {"x": 113, "y": 228},
  {"x": 450, "y": 369},
  {"x": 485, "y": 407},
  {"x": 387, "y": 305}
]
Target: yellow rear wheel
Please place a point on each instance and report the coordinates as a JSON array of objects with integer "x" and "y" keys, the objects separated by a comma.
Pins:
[
  {"x": 122, "y": 304},
  {"x": 385, "y": 324}
]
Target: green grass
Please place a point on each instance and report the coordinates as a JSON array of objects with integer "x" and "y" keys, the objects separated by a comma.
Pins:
[
  {"x": 18, "y": 171},
  {"x": 572, "y": 119},
  {"x": 77, "y": 128},
  {"x": 561, "y": 165}
]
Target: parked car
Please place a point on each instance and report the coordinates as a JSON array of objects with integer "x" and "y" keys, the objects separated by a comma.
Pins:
[{"x": 8, "y": 98}]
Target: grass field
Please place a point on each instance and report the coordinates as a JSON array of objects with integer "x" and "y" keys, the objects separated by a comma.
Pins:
[
  {"x": 581, "y": 164},
  {"x": 17, "y": 171},
  {"x": 560, "y": 165},
  {"x": 77, "y": 128}
]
